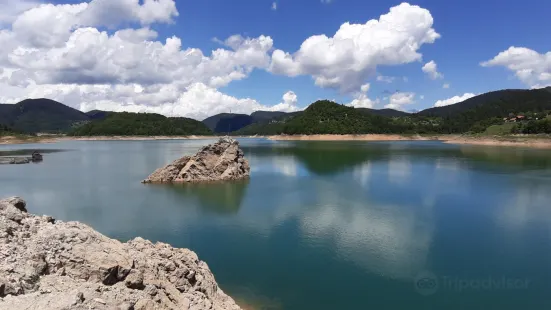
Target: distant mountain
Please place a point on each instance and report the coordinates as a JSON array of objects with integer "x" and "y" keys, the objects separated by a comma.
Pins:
[
  {"x": 97, "y": 114},
  {"x": 323, "y": 117},
  {"x": 384, "y": 112},
  {"x": 478, "y": 113},
  {"x": 265, "y": 116},
  {"x": 141, "y": 124},
  {"x": 227, "y": 122},
  {"x": 498, "y": 103},
  {"x": 5, "y": 113},
  {"x": 40, "y": 115},
  {"x": 472, "y": 115}
]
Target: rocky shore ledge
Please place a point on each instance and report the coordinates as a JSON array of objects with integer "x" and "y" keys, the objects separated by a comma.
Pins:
[
  {"x": 221, "y": 161},
  {"x": 35, "y": 157},
  {"x": 50, "y": 264}
]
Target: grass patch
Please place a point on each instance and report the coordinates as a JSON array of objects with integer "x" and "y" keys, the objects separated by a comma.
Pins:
[{"x": 499, "y": 130}]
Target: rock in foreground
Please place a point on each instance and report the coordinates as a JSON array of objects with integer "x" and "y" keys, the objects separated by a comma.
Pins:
[
  {"x": 49, "y": 264},
  {"x": 221, "y": 161}
]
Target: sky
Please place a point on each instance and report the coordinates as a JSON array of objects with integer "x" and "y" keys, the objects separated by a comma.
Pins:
[{"x": 197, "y": 58}]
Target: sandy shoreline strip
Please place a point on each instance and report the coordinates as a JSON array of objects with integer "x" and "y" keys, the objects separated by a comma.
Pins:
[
  {"x": 539, "y": 141},
  {"x": 365, "y": 137},
  {"x": 54, "y": 138},
  {"x": 513, "y": 141}
]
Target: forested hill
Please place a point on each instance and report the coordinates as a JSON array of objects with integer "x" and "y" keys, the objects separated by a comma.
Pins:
[
  {"x": 497, "y": 103},
  {"x": 474, "y": 115},
  {"x": 384, "y": 112},
  {"x": 326, "y": 117},
  {"x": 40, "y": 115},
  {"x": 227, "y": 122},
  {"x": 478, "y": 113},
  {"x": 322, "y": 117},
  {"x": 141, "y": 124}
]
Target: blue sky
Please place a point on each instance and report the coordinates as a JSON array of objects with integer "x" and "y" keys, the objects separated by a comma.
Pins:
[{"x": 470, "y": 32}]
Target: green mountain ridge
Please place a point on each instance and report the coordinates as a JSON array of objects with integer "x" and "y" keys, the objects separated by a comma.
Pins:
[
  {"x": 227, "y": 122},
  {"x": 322, "y": 117},
  {"x": 230, "y": 122},
  {"x": 384, "y": 112},
  {"x": 141, "y": 124},
  {"x": 40, "y": 115},
  {"x": 473, "y": 115},
  {"x": 325, "y": 117}
]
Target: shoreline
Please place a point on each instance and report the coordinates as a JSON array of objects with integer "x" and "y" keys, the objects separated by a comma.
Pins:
[
  {"x": 535, "y": 141},
  {"x": 530, "y": 141},
  {"x": 60, "y": 138},
  {"x": 348, "y": 137}
]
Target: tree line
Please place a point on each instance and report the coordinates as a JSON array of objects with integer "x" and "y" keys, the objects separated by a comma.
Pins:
[{"x": 141, "y": 124}]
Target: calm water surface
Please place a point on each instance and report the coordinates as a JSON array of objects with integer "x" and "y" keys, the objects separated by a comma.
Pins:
[{"x": 324, "y": 225}]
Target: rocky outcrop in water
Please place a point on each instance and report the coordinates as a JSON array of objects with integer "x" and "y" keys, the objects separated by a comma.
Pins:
[
  {"x": 221, "y": 161},
  {"x": 35, "y": 157},
  {"x": 49, "y": 264},
  {"x": 14, "y": 160}
]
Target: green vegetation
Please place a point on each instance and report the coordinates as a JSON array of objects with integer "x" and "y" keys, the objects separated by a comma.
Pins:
[
  {"x": 384, "y": 112},
  {"x": 476, "y": 114},
  {"x": 5, "y": 130},
  {"x": 227, "y": 122},
  {"x": 480, "y": 114},
  {"x": 533, "y": 127},
  {"x": 324, "y": 117},
  {"x": 498, "y": 130},
  {"x": 40, "y": 115},
  {"x": 141, "y": 124},
  {"x": 493, "y": 113}
]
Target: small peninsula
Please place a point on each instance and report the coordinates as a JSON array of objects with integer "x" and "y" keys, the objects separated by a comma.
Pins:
[{"x": 221, "y": 161}]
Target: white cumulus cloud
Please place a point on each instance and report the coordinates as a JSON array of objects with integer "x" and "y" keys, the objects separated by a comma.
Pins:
[
  {"x": 431, "y": 69},
  {"x": 453, "y": 100},
  {"x": 386, "y": 79},
  {"x": 289, "y": 103},
  {"x": 361, "y": 100},
  {"x": 196, "y": 101},
  {"x": 74, "y": 53},
  {"x": 354, "y": 52},
  {"x": 529, "y": 66},
  {"x": 398, "y": 100},
  {"x": 12, "y": 8}
]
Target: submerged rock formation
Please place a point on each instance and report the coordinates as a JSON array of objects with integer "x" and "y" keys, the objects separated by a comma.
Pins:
[
  {"x": 14, "y": 160},
  {"x": 35, "y": 157},
  {"x": 49, "y": 264},
  {"x": 221, "y": 161}
]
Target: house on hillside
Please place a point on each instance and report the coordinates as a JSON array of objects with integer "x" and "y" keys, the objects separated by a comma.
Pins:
[{"x": 515, "y": 118}]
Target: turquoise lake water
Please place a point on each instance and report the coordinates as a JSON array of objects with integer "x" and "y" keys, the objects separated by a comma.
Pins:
[{"x": 323, "y": 225}]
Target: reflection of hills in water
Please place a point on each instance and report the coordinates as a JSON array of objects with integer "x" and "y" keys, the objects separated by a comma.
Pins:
[
  {"x": 328, "y": 158},
  {"x": 218, "y": 197},
  {"x": 321, "y": 158},
  {"x": 512, "y": 157}
]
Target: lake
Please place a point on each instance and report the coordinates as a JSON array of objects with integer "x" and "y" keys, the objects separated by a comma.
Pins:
[{"x": 323, "y": 225}]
